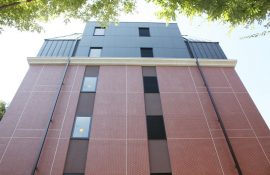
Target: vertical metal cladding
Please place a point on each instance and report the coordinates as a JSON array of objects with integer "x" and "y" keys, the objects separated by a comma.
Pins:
[
  {"x": 203, "y": 49},
  {"x": 124, "y": 40},
  {"x": 56, "y": 48},
  {"x": 157, "y": 140},
  {"x": 78, "y": 146}
]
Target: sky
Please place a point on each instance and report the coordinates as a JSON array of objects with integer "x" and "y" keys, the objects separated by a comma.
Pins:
[{"x": 252, "y": 54}]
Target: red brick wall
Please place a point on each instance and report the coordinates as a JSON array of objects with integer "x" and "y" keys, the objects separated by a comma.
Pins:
[
  {"x": 195, "y": 140},
  {"x": 25, "y": 121},
  {"x": 118, "y": 140}
]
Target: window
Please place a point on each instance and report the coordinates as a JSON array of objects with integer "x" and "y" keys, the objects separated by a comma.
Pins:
[
  {"x": 99, "y": 31},
  {"x": 81, "y": 127},
  {"x": 143, "y": 31},
  {"x": 161, "y": 173},
  {"x": 89, "y": 84},
  {"x": 95, "y": 51},
  {"x": 150, "y": 85},
  {"x": 147, "y": 52},
  {"x": 155, "y": 128}
]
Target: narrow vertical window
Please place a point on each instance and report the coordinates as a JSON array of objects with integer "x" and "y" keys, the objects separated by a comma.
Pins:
[
  {"x": 150, "y": 85},
  {"x": 157, "y": 141},
  {"x": 89, "y": 84},
  {"x": 144, "y": 31},
  {"x": 147, "y": 52},
  {"x": 155, "y": 128},
  {"x": 99, "y": 31},
  {"x": 95, "y": 51},
  {"x": 81, "y": 127},
  {"x": 78, "y": 145}
]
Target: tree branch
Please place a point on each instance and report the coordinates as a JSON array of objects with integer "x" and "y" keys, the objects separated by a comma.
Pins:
[{"x": 13, "y": 4}]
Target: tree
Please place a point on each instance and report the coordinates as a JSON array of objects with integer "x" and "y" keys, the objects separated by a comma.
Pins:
[
  {"x": 2, "y": 109},
  {"x": 28, "y": 14}
]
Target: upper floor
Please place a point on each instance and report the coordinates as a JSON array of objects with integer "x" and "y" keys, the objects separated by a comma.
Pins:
[{"x": 130, "y": 39}]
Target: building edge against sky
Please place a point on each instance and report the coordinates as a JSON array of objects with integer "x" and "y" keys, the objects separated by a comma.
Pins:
[{"x": 124, "y": 112}]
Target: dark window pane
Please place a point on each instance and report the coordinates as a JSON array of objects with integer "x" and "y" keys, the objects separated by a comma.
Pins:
[
  {"x": 89, "y": 84},
  {"x": 143, "y": 31},
  {"x": 147, "y": 52},
  {"x": 150, "y": 85},
  {"x": 95, "y": 52},
  {"x": 161, "y": 173},
  {"x": 99, "y": 31},
  {"x": 155, "y": 127},
  {"x": 81, "y": 127}
]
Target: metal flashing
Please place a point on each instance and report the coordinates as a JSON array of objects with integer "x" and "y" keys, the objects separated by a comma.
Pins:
[{"x": 134, "y": 61}]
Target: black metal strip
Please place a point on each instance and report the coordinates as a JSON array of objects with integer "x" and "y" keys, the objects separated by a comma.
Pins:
[
  {"x": 35, "y": 167},
  {"x": 217, "y": 113}
]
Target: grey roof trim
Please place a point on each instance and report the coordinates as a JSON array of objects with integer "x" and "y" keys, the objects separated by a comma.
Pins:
[
  {"x": 197, "y": 40},
  {"x": 73, "y": 36},
  {"x": 136, "y": 22}
]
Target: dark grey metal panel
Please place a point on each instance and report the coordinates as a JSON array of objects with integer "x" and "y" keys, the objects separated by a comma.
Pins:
[
  {"x": 52, "y": 48},
  {"x": 203, "y": 52},
  {"x": 83, "y": 51},
  {"x": 221, "y": 53},
  {"x": 68, "y": 48},
  {"x": 207, "y": 50},
  {"x": 42, "y": 49},
  {"x": 214, "y": 48},
  {"x": 47, "y": 48},
  {"x": 120, "y": 52},
  {"x": 196, "y": 52},
  {"x": 211, "y": 51},
  {"x": 124, "y": 40},
  {"x": 56, "y": 48},
  {"x": 63, "y": 48}
]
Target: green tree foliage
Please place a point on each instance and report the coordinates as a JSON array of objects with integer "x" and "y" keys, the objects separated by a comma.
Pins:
[
  {"x": 234, "y": 12},
  {"x": 27, "y": 14},
  {"x": 2, "y": 109}
]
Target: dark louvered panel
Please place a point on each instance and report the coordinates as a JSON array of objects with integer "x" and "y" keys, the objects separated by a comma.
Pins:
[
  {"x": 208, "y": 50},
  {"x": 56, "y": 48}
]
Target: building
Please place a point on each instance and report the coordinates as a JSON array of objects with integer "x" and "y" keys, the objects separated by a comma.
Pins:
[{"x": 132, "y": 99}]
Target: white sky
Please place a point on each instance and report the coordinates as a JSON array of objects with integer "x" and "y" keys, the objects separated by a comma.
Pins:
[{"x": 252, "y": 54}]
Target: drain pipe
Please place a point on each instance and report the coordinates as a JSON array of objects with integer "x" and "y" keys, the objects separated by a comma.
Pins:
[
  {"x": 237, "y": 166},
  {"x": 35, "y": 167}
]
